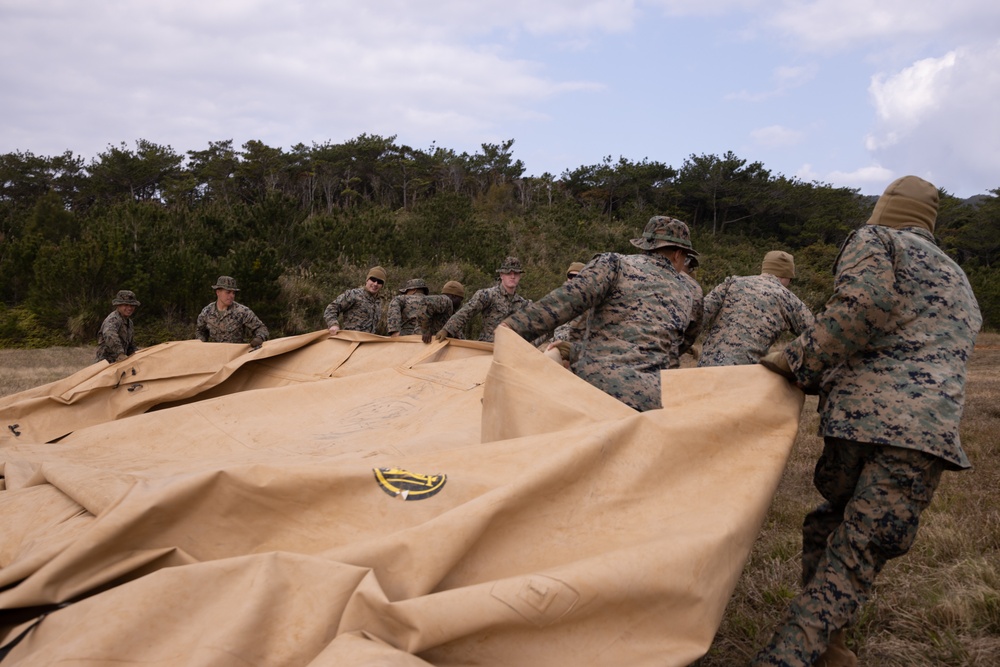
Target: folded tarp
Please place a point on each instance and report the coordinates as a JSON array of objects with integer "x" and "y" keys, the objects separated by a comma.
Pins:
[{"x": 360, "y": 500}]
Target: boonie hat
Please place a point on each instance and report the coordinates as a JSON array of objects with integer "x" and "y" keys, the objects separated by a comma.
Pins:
[
  {"x": 414, "y": 283},
  {"x": 510, "y": 265},
  {"x": 226, "y": 282},
  {"x": 662, "y": 231},
  {"x": 125, "y": 298},
  {"x": 573, "y": 269}
]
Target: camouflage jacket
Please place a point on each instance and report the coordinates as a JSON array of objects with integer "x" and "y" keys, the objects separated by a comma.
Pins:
[
  {"x": 358, "y": 310},
  {"x": 236, "y": 324},
  {"x": 644, "y": 316},
  {"x": 494, "y": 304},
  {"x": 412, "y": 313},
  {"x": 115, "y": 338},
  {"x": 744, "y": 317},
  {"x": 888, "y": 353},
  {"x": 440, "y": 308}
]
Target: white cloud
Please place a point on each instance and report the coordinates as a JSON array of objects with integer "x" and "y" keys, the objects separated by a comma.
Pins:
[
  {"x": 838, "y": 24},
  {"x": 937, "y": 119},
  {"x": 776, "y": 136}
]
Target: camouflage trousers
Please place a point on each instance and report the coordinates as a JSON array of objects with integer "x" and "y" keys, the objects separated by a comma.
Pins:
[{"x": 874, "y": 497}]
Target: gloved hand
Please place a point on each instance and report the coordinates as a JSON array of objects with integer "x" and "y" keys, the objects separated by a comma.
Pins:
[
  {"x": 776, "y": 362},
  {"x": 121, "y": 357},
  {"x": 256, "y": 342},
  {"x": 441, "y": 336}
]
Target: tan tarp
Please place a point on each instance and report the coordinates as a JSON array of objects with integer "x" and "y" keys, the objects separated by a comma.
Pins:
[{"x": 240, "y": 522}]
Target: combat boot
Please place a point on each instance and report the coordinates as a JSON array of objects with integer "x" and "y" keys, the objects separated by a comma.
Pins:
[{"x": 837, "y": 654}]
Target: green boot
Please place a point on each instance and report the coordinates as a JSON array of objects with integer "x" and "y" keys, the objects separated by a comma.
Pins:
[{"x": 837, "y": 654}]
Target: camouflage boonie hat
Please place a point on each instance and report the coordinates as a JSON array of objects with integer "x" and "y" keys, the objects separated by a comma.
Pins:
[
  {"x": 414, "y": 283},
  {"x": 510, "y": 265},
  {"x": 226, "y": 282},
  {"x": 125, "y": 298},
  {"x": 662, "y": 231}
]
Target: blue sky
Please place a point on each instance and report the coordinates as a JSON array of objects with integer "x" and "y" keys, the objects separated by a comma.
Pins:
[{"x": 847, "y": 92}]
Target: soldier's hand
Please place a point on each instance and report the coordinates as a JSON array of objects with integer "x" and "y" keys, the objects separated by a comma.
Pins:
[
  {"x": 334, "y": 329},
  {"x": 777, "y": 363},
  {"x": 255, "y": 343},
  {"x": 121, "y": 357},
  {"x": 427, "y": 336},
  {"x": 441, "y": 336}
]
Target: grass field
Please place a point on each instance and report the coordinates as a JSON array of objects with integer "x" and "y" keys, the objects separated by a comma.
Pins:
[{"x": 937, "y": 606}]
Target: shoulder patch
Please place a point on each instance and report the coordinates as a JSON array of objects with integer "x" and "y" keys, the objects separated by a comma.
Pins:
[{"x": 408, "y": 485}]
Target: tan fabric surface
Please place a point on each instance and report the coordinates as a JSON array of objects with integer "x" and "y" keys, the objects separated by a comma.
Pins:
[{"x": 248, "y": 528}]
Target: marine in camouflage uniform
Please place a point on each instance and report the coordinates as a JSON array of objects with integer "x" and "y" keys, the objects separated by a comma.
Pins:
[
  {"x": 407, "y": 308},
  {"x": 232, "y": 322},
  {"x": 888, "y": 358},
  {"x": 116, "y": 338},
  {"x": 494, "y": 303},
  {"x": 745, "y": 314},
  {"x": 359, "y": 308},
  {"x": 644, "y": 315}
]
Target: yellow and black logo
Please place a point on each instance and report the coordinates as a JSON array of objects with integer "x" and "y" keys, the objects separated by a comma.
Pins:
[{"x": 408, "y": 485}]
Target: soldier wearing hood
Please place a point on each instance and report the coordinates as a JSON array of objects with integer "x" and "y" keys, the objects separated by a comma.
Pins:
[{"x": 888, "y": 357}]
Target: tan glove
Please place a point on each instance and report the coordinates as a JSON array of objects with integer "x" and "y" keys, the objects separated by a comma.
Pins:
[
  {"x": 776, "y": 362},
  {"x": 121, "y": 357},
  {"x": 441, "y": 336}
]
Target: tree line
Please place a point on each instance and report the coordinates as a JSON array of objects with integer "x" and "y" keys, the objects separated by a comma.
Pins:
[{"x": 298, "y": 226}]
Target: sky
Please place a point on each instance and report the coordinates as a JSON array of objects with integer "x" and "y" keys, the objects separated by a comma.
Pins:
[{"x": 849, "y": 93}]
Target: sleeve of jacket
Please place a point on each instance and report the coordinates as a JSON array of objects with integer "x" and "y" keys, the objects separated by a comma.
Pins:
[
  {"x": 332, "y": 313},
  {"x": 567, "y": 301},
  {"x": 457, "y": 322},
  {"x": 394, "y": 320},
  {"x": 859, "y": 310},
  {"x": 713, "y": 303}
]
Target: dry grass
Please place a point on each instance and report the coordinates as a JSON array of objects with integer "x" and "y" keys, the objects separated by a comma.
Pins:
[
  {"x": 25, "y": 369},
  {"x": 938, "y": 605}
]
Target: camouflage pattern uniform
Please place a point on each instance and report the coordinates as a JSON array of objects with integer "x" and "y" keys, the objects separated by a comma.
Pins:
[
  {"x": 495, "y": 305},
  {"x": 644, "y": 314},
  {"x": 360, "y": 310},
  {"x": 888, "y": 357},
  {"x": 236, "y": 324},
  {"x": 116, "y": 338},
  {"x": 437, "y": 309},
  {"x": 744, "y": 317}
]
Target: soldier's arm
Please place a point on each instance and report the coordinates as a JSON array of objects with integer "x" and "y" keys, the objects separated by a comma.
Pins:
[
  {"x": 567, "y": 301},
  {"x": 331, "y": 316},
  {"x": 394, "y": 320},
  {"x": 456, "y": 323},
  {"x": 859, "y": 309},
  {"x": 255, "y": 327},
  {"x": 201, "y": 329},
  {"x": 713, "y": 304}
]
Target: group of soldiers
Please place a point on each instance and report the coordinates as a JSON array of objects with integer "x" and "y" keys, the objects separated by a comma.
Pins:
[{"x": 887, "y": 355}]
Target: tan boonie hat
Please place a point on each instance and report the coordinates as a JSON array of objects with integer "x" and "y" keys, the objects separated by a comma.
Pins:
[
  {"x": 662, "y": 231},
  {"x": 510, "y": 265},
  {"x": 778, "y": 263},
  {"x": 453, "y": 287},
  {"x": 414, "y": 283},
  {"x": 574, "y": 269},
  {"x": 909, "y": 201},
  {"x": 226, "y": 282},
  {"x": 125, "y": 298},
  {"x": 376, "y": 272}
]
